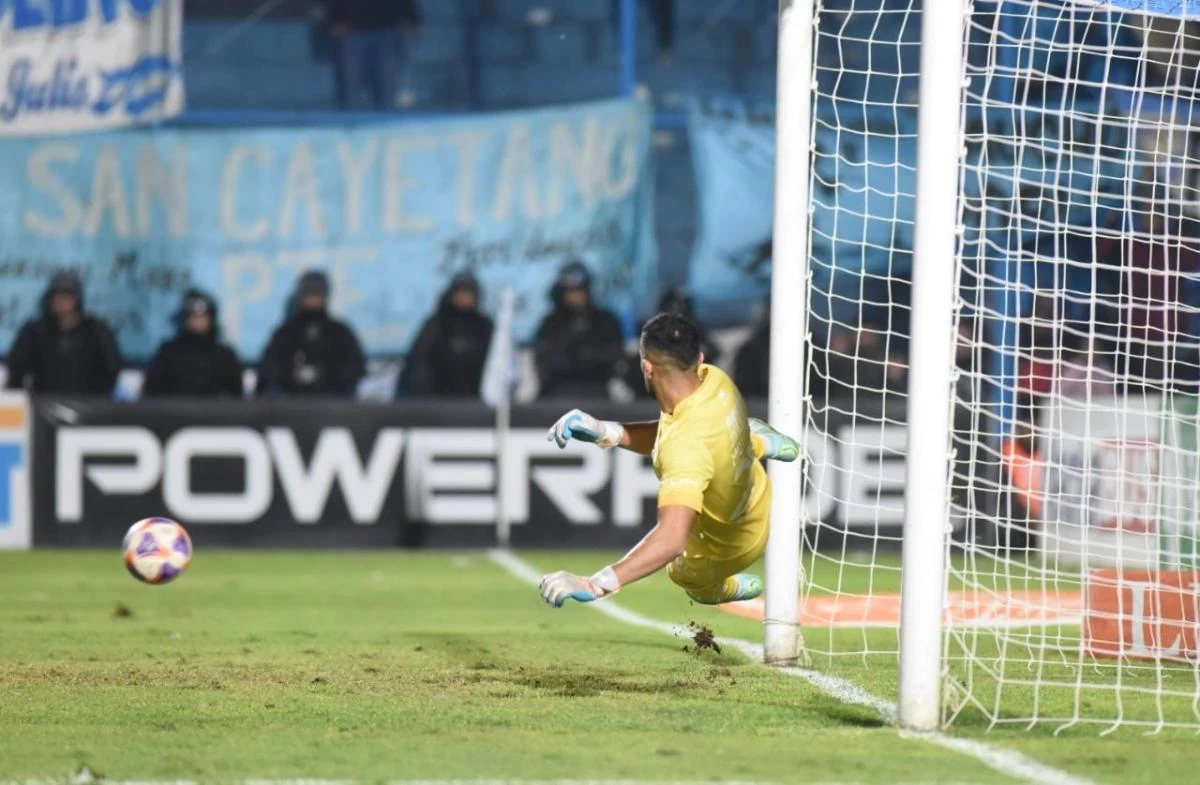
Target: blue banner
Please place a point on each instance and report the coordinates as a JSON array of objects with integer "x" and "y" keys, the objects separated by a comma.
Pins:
[
  {"x": 391, "y": 212},
  {"x": 861, "y": 195},
  {"x": 733, "y": 154},
  {"x": 1070, "y": 169}
]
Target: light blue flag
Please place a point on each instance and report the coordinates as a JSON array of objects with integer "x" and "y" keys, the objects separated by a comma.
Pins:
[{"x": 500, "y": 369}]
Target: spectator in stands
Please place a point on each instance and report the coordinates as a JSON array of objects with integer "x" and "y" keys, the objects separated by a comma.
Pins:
[
  {"x": 579, "y": 348},
  {"x": 752, "y": 363},
  {"x": 64, "y": 350},
  {"x": 848, "y": 363},
  {"x": 369, "y": 37},
  {"x": 311, "y": 353},
  {"x": 662, "y": 17},
  {"x": 448, "y": 356},
  {"x": 194, "y": 363}
]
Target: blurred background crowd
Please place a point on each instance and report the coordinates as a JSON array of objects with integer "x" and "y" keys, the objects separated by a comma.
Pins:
[{"x": 580, "y": 350}]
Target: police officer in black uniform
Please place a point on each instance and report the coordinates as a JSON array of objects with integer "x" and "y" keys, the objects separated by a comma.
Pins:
[
  {"x": 194, "y": 363},
  {"x": 579, "y": 347},
  {"x": 448, "y": 356},
  {"x": 64, "y": 350},
  {"x": 311, "y": 353}
]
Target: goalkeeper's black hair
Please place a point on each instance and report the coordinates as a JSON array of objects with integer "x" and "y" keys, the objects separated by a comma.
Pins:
[{"x": 672, "y": 337}]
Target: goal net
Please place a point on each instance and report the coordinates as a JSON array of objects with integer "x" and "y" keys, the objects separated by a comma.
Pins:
[{"x": 1072, "y": 591}]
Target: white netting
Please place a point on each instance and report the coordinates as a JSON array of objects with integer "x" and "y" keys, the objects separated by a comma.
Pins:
[
  {"x": 863, "y": 189},
  {"x": 1077, "y": 393},
  {"x": 1075, "y": 483}
]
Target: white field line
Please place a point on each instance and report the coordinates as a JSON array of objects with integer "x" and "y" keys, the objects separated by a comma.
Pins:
[{"x": 1007, "y": 762}]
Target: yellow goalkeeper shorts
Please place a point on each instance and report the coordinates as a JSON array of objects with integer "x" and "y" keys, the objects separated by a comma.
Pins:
[{"x": 704, "y": 565}]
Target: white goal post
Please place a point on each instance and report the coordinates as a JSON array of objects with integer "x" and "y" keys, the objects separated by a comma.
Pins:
[
  {"x": 926, "y": 512},
  {"x": 1000, "y": 495},
  {"x": 789, "y": 324},
  {"x": 937, "y": 188}
]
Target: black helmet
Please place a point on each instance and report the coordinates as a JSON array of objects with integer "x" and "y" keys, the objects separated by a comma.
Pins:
[
  {"x": 464, "y": 279},
  {"x": 313, "y": 282},
  {"x": 64, "y": 282},
  {"x": 573, "y": 275},
  {"x": 195, "y": 301}
]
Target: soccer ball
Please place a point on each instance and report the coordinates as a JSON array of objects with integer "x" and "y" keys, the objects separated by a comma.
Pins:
[{"x": 157, "y": 550}]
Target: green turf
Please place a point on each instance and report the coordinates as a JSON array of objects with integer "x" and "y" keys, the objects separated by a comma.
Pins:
[{"x": 377, "y": 666}]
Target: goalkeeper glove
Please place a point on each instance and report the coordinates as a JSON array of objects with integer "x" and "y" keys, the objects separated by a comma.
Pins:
[
  {"x": 558, "y": 587},
  {"x": 580, "y": 425}
]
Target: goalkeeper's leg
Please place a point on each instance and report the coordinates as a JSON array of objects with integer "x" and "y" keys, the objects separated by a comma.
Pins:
[
  {"x": 711, "y": 577},
  {"x": 770, "y": 443},
  {"x": 715, "y": 590}
]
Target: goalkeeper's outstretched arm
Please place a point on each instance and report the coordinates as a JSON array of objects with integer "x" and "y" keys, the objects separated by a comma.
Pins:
[
  {"x": 656, "y": 550},
  {"x": 577, "y": 424},
  {"x": 638, "y": 437}
]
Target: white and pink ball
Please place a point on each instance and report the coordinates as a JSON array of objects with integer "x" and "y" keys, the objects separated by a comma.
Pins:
[{"x": 157, "y": 550}]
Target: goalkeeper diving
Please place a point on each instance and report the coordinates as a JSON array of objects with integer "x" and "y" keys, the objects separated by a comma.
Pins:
[{"x": 714, "y": 497}]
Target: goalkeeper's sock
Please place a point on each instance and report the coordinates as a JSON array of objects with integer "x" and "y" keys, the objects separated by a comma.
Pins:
[
  {"x": 771, "y": 444},
  {"x": 735, "y": 588},
  {"x": 744, "y": 587}
]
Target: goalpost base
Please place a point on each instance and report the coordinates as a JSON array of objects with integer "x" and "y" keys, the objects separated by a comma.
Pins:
[{"x": 781, "y": 644}]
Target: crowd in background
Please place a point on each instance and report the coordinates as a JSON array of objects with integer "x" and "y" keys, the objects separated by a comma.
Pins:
[
  {"x": 65, "y": 350},
  {"x": 579, "y": 351},
  {"x": 365, "y": 42},
  {"x": 1131, "y": 325},
  {"x": 1117, "y": 312},
  {"x": 1113, "y": 311}
]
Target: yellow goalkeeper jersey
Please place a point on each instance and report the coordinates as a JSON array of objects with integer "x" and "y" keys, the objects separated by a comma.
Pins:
[{"x": 704, "y": 460}]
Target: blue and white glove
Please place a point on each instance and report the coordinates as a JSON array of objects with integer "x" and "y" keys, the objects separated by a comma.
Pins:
[
  {"x": 558, "y": 587},
  {"x": 580, "y": 425}
]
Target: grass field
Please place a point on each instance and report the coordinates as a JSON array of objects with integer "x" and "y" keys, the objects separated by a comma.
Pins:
[{"x": 399, "y": 666}]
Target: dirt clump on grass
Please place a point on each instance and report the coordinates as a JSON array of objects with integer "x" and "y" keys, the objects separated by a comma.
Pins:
[
  {"x": 122, "y": 611},
  {"x": 702, "y": 638}
]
